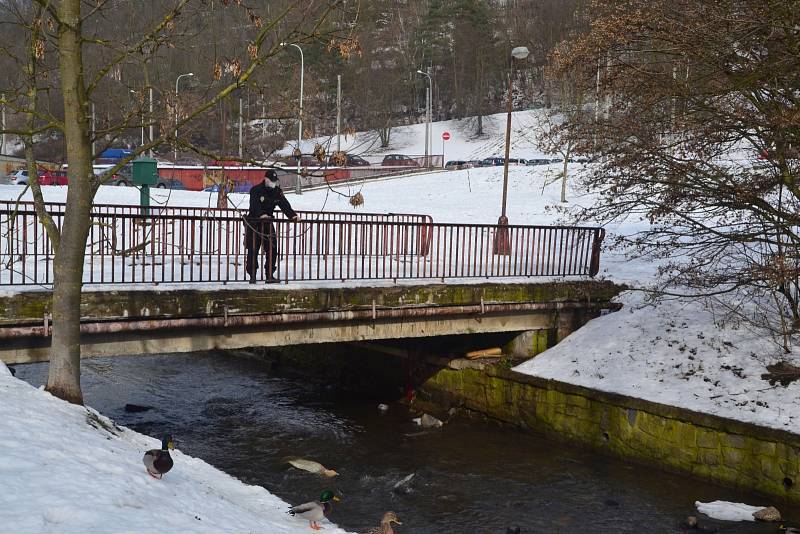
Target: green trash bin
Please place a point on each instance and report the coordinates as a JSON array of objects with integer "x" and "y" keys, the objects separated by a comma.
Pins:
[{"x": 144, "y": 174}]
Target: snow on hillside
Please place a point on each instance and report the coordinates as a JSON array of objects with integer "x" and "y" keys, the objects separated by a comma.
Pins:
[
  {"x": 463, "y": 144},
  {"x": 70, "y": 470}
]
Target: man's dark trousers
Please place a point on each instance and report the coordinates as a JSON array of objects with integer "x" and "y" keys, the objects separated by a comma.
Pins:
[{"x": 261, "y": 232}]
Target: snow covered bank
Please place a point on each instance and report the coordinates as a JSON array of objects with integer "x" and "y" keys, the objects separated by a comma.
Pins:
[
  {"x": 67, "y": 469},
  {"x": 677, "y": 353}
]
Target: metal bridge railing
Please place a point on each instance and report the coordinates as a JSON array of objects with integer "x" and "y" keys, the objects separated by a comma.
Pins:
[{"x": 178, "y": 245}]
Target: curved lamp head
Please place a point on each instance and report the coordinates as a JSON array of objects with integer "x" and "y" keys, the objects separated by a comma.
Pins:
[{"x": 520, "y": 52}]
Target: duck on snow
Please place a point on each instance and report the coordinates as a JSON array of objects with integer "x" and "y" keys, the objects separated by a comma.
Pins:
[
  {"x": 158, "y": 462},
  {"x": 315, "y": 510}
]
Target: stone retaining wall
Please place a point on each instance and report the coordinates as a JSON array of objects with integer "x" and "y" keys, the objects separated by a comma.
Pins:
[{"x": 722, "y": 450}]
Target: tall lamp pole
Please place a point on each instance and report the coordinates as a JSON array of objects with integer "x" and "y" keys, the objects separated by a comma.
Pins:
[
  {"x": 502, "y": 244},
  {"x": 176, "y": 111},
  {"x": 3, "y": 123},
  {"x": 150, "y": 120},
  {"x": 300, "y": 121},
  {"x": 427, "y": 117}
]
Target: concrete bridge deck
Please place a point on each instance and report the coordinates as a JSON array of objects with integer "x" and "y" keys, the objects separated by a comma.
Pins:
[{"x": 116, "y": 323}]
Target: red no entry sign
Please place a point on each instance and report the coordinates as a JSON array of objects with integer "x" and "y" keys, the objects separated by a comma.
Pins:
[{"x": 445, "y": 136}]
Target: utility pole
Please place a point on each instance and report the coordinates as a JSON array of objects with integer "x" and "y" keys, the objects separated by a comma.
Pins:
[
  {"x": 3, "y": 126},
  {"x": 150, "y": 152},
  {"x": 240, "y": 126},
  {"x": 429, "y": 148},
  {"x": 94, "y": 135},
  {"x": 428, "y": 94},
  {"x": 338, "y": 113},
  {"x": 297, "y": 188}
]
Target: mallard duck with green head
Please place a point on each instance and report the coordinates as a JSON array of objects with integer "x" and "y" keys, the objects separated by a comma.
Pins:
[
  {"x": 386, "y": 524},
  {"x": 158, "y": 461},
  {"x": 315, "y": 510}
]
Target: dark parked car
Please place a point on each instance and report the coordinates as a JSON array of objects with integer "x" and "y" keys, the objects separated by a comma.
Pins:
[
  {"x": 398, "y": 160},
  {"x": 492, "y": 162},
  {"x": 352, "y": 161},
  {"x": 291, "y": 161},
  {"x": 170, "y": 183},
  {"x": 236, "y": 186}
]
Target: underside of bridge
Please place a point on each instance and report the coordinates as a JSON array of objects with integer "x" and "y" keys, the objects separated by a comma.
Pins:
[{"x": 120, "y": 323}]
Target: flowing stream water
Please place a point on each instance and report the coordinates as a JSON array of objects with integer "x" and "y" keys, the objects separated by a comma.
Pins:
[{"x": 468, "y": 477}]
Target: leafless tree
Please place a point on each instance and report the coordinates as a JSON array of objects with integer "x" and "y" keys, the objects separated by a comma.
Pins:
[
  {"x": 690, "y": 95},
  {"x": 58, "y": 34}
]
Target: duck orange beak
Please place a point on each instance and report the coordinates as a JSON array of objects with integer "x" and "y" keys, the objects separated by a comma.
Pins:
[{"x": 335, "y": 498}]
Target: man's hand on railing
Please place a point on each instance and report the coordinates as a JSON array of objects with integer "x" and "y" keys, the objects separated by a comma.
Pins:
[
  {"x": 296, "y": 218},
  {"x": 264, "y": 216}
]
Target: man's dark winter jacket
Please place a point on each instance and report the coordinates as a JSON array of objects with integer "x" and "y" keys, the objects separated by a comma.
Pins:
[{"x": 263, "y": 200}]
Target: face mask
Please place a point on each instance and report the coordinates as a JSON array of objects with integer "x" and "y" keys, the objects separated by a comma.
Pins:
[{"x": 269, "y": 183}]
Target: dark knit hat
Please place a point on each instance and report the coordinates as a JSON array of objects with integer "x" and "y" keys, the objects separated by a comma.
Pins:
[{"x": 271, "y": 175}]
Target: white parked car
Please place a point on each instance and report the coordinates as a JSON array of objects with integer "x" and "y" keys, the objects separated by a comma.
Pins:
[{"x": 19, "y": 177}]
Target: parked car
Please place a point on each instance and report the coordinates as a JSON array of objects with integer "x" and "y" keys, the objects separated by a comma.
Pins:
[
  {"x": 170, "y": 183},
  {"x": 19, "y": 177},
  {"x": 474, "y": 163},
  {"x": 352, "y": 161},
  {"x": 291, "y": 161},
  {"x": 398, "y": 160},
  {"x": 492, "y": 162},
  {"x": 234, "y": 187},
  {"x": 47, "y": 177},
  {"x": 458, "y": 164}
]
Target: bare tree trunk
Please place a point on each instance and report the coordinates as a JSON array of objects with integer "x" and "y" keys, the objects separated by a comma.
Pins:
[
  {"x": 567, "y": 153},
  {"x": 64, "y": 379}
]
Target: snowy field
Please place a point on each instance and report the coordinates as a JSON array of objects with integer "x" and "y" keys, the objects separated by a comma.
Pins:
[{"x": 69, "y": 470}]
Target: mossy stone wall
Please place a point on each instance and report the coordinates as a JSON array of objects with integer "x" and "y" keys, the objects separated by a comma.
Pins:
[{"x": 730, "y": 452}]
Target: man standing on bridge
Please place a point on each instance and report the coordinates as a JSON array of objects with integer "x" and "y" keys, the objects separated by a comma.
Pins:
[{"x": 260, "y": 229}]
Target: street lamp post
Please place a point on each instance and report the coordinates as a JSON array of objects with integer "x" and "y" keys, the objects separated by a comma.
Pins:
[
  {"x": 150, "y": 120},
  {"x": 502, "y": 244},
  {"x": 176, "y": 111},
  {"x": 300, "y": 118},
  {"x": 3, "y": 123},
  {"x": 427, "y": 117}
]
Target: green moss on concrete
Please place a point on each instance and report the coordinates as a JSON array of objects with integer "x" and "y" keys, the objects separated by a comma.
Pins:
[
  {"x": 206, "y": 302},
  {"x": 728, "y": 452}
]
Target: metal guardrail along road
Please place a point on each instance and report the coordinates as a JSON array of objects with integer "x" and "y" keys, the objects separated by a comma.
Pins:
[{"x": 192, "y": 245}]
